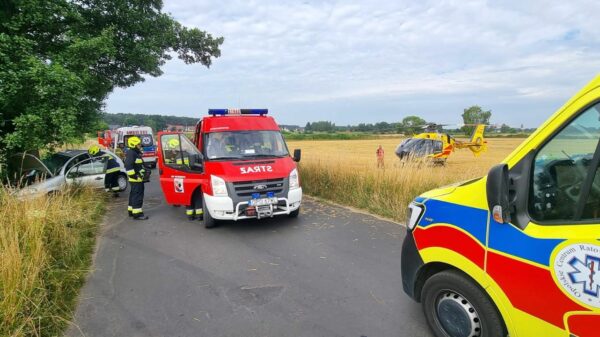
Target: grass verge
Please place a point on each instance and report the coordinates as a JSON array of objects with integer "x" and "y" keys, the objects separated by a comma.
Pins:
[{"x": 46, "y": 246}]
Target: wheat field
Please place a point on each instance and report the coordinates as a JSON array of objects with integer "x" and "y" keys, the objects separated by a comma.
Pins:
[{"x": 345, "y": 171}]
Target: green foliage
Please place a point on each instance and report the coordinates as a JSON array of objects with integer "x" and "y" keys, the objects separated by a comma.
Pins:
[
  {"x": 475, "y": 115},
  {"x": 328, "y": 136},
  {"x": 320, "y": 126},
  {"x": 412, "y": 125},
  {"x": 60, "y": 59}
]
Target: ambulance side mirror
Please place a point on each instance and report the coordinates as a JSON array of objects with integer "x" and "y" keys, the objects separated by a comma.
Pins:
[
  {"x": 497, "y": 190},
  {"x": 297, "y": 155}
]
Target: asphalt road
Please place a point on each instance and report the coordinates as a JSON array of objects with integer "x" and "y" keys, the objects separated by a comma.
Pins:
[{"x": 330, "y": 272}]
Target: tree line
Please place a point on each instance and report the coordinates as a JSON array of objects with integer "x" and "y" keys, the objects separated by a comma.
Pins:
[
  {"x": 414, "y": 124},
  {"x": 156, "y": 122}
]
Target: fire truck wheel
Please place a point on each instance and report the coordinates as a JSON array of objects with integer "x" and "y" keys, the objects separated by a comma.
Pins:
[
  {"x": 456, "y": 307},
  {"x": 294, "y": 214},
  {"x": 209, "y": 221}
]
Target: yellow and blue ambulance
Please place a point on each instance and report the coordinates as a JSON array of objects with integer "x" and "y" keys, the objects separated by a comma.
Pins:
[{"x": 517, "y": 252}]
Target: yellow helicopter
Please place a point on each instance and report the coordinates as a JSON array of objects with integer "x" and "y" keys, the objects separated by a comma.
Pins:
[{"x": 438, "y": 146}]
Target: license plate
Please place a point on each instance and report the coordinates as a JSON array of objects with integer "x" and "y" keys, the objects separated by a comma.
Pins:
[{"x": 263, "y": 202}]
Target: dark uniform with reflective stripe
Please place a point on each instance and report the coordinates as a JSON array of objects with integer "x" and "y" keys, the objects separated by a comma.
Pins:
[
  {"x": 111, "y": 178},
  {"x": 135, "y": 173}
]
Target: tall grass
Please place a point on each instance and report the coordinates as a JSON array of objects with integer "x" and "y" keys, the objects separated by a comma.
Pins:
[
  {"x": 383, "y": 192},
  {"x": 346, "y": 172},
  {"x": 45, "y": 251}
]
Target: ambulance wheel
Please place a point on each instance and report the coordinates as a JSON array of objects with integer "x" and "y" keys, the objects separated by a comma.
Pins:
[
  {"x": 455, "y": 306},
  {"x": 209, "y": 221},
  {"x": 294, "y": 214}
]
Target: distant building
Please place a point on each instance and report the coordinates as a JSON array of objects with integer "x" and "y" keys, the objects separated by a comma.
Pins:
[
  {"x": 180, "y": 128},
  {"x": 175, "y": 127}
]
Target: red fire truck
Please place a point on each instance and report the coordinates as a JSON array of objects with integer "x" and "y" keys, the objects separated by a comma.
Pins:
[{"x": 238, "y": 164}]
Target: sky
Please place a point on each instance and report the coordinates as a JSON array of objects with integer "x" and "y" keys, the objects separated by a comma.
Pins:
[{"x": 353, "y": 62}]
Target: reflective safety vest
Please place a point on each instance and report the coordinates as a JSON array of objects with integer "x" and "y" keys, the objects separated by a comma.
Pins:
[
  {"x": 111, "y": 164},
  {"x": 134, "y": 166}
]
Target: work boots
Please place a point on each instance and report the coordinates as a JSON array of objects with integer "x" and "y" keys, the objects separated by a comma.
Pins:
[{"x": 140, "y": 216}]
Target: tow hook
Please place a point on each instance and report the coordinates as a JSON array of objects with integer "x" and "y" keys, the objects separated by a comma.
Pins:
[{"x": 265, "y": 211}]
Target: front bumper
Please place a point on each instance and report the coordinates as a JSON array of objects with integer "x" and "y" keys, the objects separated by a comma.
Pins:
[
  {"x": 149, "y": 159},
  {"x": 411, "y": 264},
  {"x": 223, "y": 208}
]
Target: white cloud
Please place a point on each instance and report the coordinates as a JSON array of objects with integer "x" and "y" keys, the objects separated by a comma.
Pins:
[{"x": 305, "y": 58}]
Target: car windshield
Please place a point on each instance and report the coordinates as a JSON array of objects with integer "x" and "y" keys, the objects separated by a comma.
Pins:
[
  {"x": 55, "y": 162},
  {"x": 245, "y": 144}
]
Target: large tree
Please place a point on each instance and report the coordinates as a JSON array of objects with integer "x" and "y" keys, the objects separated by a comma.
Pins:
[
  {"x": 59, "y": 59},
  {"x": 474, "y": 115},
  {"x": 412, "y": 125}
]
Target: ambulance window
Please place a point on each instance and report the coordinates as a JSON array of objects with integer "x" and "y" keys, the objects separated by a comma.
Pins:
[{"x": 560, "y": 170}]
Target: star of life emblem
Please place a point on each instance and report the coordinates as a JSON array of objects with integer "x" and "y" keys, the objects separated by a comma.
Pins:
[{"x": 577, "y": 271}]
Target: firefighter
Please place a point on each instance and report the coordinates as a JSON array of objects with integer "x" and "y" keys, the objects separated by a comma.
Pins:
[
  {"x": 194, "y": 211},
  {"x": 135, "y": 173},
  {"x": 177, "y": 156},
  {"x": 111, "y": 175},
  {"x": 380, "y": 153}
]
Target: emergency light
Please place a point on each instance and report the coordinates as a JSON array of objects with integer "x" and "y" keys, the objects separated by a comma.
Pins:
[{"x": 223, "y": 112}]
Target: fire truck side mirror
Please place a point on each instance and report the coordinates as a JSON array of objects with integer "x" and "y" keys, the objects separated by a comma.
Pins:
[
  {"x": 497, "y": 189},
  {"x": 297, "y": 155},
  {"x": 197, "y": 163}
]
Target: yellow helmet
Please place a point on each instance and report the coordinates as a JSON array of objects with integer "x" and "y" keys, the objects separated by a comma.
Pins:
[
  {"x": 173, "y": 143},
  {"x": 133, "y": 141},
  {"x": 93, "y": 150}
]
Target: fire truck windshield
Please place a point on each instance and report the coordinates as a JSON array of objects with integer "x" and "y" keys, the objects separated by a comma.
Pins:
[{"x": 245, "y": 144}]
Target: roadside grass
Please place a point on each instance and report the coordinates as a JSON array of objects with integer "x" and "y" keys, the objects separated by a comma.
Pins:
[
  {"x": 346, "y": 172},
  {"x": 46, "y": 246}
]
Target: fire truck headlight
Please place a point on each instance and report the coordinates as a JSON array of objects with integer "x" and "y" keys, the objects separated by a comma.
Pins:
[
  {"x": 413, "y": 215},
  {"x": 219, "y": 186},
  {"x": 294, "y": 180}
]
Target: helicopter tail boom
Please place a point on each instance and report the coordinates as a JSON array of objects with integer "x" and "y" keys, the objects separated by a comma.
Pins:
[{"x": 478, "y": 144}]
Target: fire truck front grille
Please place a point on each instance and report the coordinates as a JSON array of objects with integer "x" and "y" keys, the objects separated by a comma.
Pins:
[{"x": 247, "y": 188}]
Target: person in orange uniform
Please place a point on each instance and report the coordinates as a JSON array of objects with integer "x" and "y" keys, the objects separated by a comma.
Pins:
[{"x": 380, "y": 153}]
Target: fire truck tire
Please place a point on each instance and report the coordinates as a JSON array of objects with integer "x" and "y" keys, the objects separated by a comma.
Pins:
[
  {"x": 209, "y": 221},
  {"x": 294, "y": 214},
  {"x": 455, "y": 307}
]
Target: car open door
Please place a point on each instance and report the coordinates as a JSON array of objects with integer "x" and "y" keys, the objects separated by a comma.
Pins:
[
  {"x": 25, "y": 169},
  {"x": 180, "y": 165},
  {"x": 89, "y": 172}
]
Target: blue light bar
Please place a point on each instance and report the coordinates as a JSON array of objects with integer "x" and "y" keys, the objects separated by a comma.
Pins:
[
  {"x": 255, "y": 195},
  {"x": 223, "y": 112}
]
